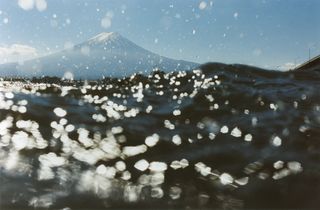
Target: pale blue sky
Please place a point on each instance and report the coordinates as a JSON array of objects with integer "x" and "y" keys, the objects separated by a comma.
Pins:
[{"x": 266, "y": 33}]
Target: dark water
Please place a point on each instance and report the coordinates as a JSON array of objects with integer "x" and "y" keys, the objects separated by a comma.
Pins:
[{"x": 225, "y": 137}]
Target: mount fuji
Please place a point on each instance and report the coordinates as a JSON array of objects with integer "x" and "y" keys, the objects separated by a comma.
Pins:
[{"x": 106, "y": 54}]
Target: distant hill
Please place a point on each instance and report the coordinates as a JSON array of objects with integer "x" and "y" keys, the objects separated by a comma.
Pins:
[{"x": 107, "y": 54}]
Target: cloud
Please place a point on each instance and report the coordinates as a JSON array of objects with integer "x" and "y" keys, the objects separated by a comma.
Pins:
[
  {"x": 288, "y": 66},
  {"x": 17, "y": 53}
]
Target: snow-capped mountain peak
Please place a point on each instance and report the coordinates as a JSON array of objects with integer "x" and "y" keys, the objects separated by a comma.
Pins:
[
  {"x": 106, "y": 54},
  {"x": 104, "y": 37}
]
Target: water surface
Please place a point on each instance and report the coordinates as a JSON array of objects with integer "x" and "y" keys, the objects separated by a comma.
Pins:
[{"x": 226, "y": 137}]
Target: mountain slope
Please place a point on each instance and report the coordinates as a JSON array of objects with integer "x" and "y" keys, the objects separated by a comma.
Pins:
[{"x": 107, "y": 54}]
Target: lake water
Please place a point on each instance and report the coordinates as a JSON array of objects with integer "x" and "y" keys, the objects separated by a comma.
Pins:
[{"x": 226, "y": 137}]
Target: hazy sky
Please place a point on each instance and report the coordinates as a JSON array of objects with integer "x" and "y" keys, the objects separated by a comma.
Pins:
[{"x": 267, "y": 33}]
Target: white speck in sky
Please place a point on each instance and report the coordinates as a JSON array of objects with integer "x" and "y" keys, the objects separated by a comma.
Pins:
[
  {"x": 68, "y": 21},
  {"x": 106, "y": 22},
  {"x": 123, "y": 8},
  {"x": 156, "y": 40},
  {"x": 193, "y": 31},
  {"x": 235, "y": 15},
  {"x": 41, "y": 5},
  {"x": 202, "y": 5},
  {"x": 5, "y": 20},
  {"x": 26, "y": 4}
]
